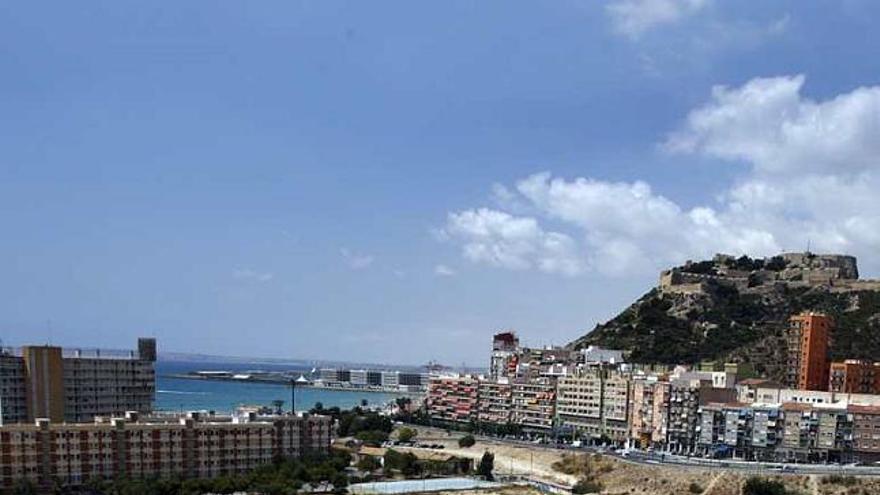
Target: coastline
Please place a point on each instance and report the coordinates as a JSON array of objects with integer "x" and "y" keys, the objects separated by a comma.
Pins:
[{"x": 281, "y": 381}]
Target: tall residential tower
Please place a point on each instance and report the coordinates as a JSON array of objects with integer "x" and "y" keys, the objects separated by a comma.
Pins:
[
  {"x": 74, "y": 385},
  {"x": 808, "y": 363}
]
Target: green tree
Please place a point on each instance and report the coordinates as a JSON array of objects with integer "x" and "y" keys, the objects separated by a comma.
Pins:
[
  {"x": 407, "y": 464},
  {"x": 368, "y": 463},
  {"x": 373, "y": 438},
  {"x": 467, "y": 441},
  {"x": 486, "y": 465},
  {"x": 406, "y": 434}
]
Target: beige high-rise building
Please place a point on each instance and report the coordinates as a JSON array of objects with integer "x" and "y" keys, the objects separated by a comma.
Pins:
[
  {"x": 74, "y": 385},
  {"x": 595, "y": 402}
]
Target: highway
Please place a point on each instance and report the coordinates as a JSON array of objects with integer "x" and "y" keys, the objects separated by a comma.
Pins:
[
  {"x": 684, "y": 462},
  {"x": 667, "y": 459}
]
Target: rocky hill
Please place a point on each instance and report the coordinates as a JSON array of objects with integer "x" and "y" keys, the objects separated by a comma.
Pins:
[{"x": 736, "y": 309}]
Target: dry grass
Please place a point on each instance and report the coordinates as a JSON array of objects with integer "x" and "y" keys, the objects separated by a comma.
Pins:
[{"x": 623, "y": 478}]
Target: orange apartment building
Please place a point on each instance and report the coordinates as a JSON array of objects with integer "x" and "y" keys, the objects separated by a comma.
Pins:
[
  {"x": 854, "y": 376},
  {"x": 807, "y": 342}
]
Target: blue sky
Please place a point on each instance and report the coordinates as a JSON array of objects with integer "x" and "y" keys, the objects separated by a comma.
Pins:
[{"x": 395, "y": 181}]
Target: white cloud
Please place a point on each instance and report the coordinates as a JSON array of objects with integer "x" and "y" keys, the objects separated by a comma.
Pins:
[
  {"x": 633, "y": 18},
  {"x": 769, "y": 125},
  {"x": 443, "y": 271},
  {"x": 810, "y": 174},
  {"x": 500, "y": 239},
  {"x": 253, "y": 275},
  {"x": 356, "y": 261}
]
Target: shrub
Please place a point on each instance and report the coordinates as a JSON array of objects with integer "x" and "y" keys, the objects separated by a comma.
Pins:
[
  {"x": 467, "y": 441},
  {"x": 586, "y": 485},
  {"x": 574, "y": 464},
  {"x": 836, "y": 479},
  {"x": 407, "y": 464},
  {"x": 373, "y": 438},
  {"x": 759, "y": 486},
  {"x": 406, "y": 434},
  {"x": 368, "y": 463},
  {"x": 695, "y": 488}
]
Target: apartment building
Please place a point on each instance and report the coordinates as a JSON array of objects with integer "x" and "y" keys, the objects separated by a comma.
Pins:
[
  {"x": 866, "y": 432},
  {"x": 190, "y": 446},
  {"x": 854, "y": 376},
  {"x": 711, "y": 426},
  {"x": 595, "y": 402},
  {"x": 534, "y": 404},
  {"x": 834, "y": 434},
  {"x": 766, "y": 430},
  {"x": 595, "y": 355},
  {"x": 544, "y": 362},
  {"x": 452, "y": 398},
  {"x": 738, "y": 422},
  {"x": 579, "y": 404},
  {"x": 13, "y": 389},
  {"x": 75, "y": 385},
  {"x": 807, "y": 346},
  {"x": 641, "y": 411},
  {"x": 504, "y": 358},
  {"x": 686, "y": 395},
  {"x": 800, "y": 427},
  {"x": 660, "y": 413},
  {"x": 740, "y": 430},
  {"x": 495, "y": 401},
  {"x": 748, "y": 390}
]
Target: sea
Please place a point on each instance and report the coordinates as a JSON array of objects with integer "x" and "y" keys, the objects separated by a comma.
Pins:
[{"x": 181, "y": 395}]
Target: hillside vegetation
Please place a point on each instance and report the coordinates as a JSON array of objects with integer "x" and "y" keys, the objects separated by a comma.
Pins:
[{"x": 725, "y": 321}]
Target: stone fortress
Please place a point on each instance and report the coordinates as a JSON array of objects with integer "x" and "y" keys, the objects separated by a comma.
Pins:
[{"x": 835, "y": 272}]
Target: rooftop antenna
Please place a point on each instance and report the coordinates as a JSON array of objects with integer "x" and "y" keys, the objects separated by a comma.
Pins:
[{"x": 49, "y": 328}]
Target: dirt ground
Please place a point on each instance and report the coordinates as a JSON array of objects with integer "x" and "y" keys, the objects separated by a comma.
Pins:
[{"x": 619, "y": 478}]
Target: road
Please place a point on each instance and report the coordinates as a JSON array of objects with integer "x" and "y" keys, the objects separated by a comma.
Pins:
[{"x": 667, "y": 459}]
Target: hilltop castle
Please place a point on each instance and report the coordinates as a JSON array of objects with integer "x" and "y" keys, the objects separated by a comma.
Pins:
[{"x": 836, "y": 272}]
